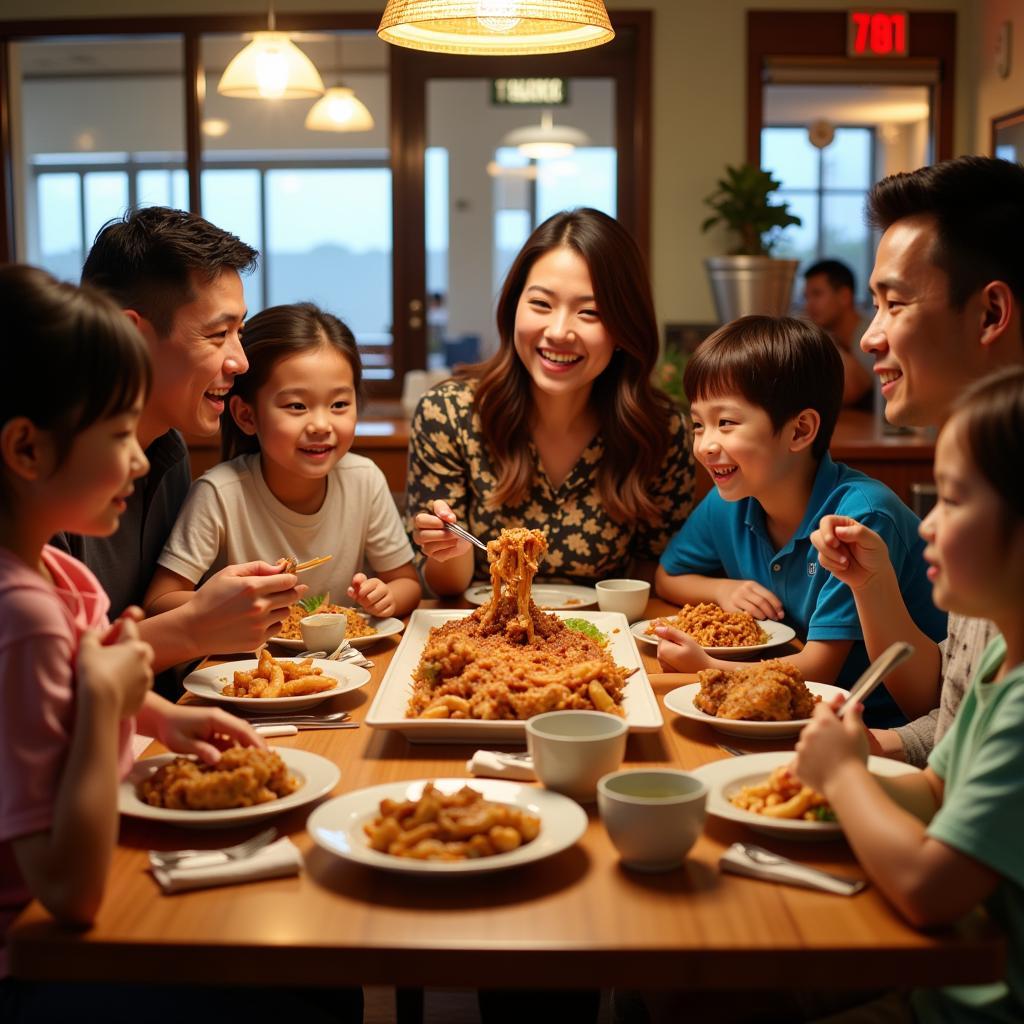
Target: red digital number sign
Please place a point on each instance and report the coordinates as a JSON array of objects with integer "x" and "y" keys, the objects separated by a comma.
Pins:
[{"x": 878, "y": 34}]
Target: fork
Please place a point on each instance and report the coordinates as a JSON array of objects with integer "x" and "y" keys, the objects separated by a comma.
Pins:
[
  {"x": 734, "y": 751},
  {"x": 173, "y": 858}
]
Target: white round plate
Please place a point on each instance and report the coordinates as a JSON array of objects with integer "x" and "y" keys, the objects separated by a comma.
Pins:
[
  {"x": 384, "y": 627},
  {"x": 210, "y": 681},
  {"x": 725, "y": 778},
  {"x": 778, "y": 633},
  {"x": 317, "y": 776},
  {"x": 337, "y": 825},
  {"x": 547, "y": 596},
  {"x": 680, "y": 700}
]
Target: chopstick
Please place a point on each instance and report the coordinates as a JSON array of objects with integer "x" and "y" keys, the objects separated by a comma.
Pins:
[
  {"x": 892, "y": 656},
  {"x": 303, "y": 566}
]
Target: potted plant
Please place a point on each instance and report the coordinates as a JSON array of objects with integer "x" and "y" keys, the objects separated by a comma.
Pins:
[{"x": 748, "y": 280}]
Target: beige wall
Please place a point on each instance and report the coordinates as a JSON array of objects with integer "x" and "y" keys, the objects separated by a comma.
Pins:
[
  {"x": 997, "y": 95},
  {"x": 699, "y": 105}
]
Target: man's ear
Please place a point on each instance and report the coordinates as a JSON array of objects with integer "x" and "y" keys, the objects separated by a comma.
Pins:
[
  {"x": 803, "y": 429},
  {"x": 243, "y": 414},
  {"x": 142, "y": 325},
  {"x": 996, "y": 311},
  {"x": 25, "y": 450}
]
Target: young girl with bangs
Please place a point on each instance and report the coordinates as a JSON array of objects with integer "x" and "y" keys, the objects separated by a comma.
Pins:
[
  {"x": 940, "y": 842},
  {"x": 290, "y": 485},
  {"x": 561, "y": 430},
  {"x": 72, "y": 686}
]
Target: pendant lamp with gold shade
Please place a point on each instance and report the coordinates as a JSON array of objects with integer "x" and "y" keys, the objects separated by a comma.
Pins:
[
  {"x": 271, "y": 67},
  {"x": 339, "y": 109},
  {"x": 496, "y": 27}
]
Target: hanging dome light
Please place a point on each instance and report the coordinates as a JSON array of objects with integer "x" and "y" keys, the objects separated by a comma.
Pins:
[
  {"x": 496, "y": 27},
  {"x": 545, "y": 140},
  {"x": 271, "y": 67},
  {"x": 339, "y": 110}
]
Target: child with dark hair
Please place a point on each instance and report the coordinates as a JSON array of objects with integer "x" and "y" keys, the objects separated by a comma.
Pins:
[
  {"x": 290, "y": 485},
  {"x": 765, "y": 394},
  {"x": 72, "y": 686},
  {"x": 941, "y": 842}
]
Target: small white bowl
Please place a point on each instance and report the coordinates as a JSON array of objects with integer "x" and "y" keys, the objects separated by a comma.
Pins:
[
  {"x": 627, "y": 596},
  {"x": 323, "y": 631}
]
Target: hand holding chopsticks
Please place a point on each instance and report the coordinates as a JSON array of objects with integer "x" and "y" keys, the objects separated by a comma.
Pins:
[{"x": 439, "y": 536}]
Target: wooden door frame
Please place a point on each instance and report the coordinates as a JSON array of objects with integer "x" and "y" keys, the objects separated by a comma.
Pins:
[
  {"x": 627, "y": 60},
  {"x": 822, "y": 34}
]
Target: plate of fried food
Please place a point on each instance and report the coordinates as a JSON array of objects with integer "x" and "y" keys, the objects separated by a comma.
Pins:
[
  {"x": 447, "y": 826},
  {"x": 722, "y": 634},
  {"x": 756, "y": 790},
  {"x": 361, "y": 630},
  {"x": 768, "y": 700},
  {"x": 248, "y": 783},
  {"x": 267, "y": 684}
]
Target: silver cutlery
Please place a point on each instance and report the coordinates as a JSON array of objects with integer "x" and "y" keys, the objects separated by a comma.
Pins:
[
  {"x": 734, "y": 751},
  {"x": 892, "y": 656},
  {"x": 521, "y": 757},
  {"x": 464, "y": 534},
  {"x": 334, "y": 716},
  {"x": 204, "y": 858},
  {"x": 757, "y": 862},
  {"x": 291, "y": 728}
]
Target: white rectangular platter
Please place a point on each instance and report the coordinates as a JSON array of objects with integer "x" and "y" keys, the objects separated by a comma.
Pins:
[{"x": 643, "y": 713}]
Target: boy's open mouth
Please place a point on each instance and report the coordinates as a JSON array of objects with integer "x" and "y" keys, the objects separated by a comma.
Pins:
[{"x": 720, "y": 473}]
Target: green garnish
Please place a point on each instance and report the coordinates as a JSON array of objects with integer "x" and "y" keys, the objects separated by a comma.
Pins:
[
  {"x": 310, "y": 604},
  {"x": 824, "y": 814},
  {"x": 587, "y": 629}
]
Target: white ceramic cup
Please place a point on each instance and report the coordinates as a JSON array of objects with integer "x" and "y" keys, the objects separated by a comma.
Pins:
[
  {"x": 653, "y": 815},
  {"x": 571, "y": 750},
  {"x": 626, "y": 596},
  {"x": 323, "y": 631}
]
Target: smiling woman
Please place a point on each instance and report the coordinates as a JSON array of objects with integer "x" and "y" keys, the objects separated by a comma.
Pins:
[{"x": 561, "y": 430}]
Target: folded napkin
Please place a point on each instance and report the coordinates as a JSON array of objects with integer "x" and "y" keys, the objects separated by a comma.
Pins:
[
  {"x": 756, "y": 862},
  {"x": 214, "y": 868},
  {"x": 494, "y": 764}
]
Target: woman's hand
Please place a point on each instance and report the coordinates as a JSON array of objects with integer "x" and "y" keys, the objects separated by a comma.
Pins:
[
  {"x": 679, "y": 652},
  {"x": 750, "y": 597},
  {"x": 828, "y": 742},
  {"x": 202, "y": 731},
  {"x": 433, "y": 539},
  {"x": 849, "y": 550},
  {"x": 117, "y": 666},
  {"x": 372, "y": 594}
]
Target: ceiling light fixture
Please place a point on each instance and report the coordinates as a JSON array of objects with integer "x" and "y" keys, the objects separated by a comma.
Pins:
[
  {"x": 271, "y": 67},
  {"x": 339, "y": 110},
  {"x": 496, "y": 27},
  {"x": 545, "y": 140}
]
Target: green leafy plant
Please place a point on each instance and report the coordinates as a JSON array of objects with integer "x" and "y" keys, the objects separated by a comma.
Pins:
[
  {"x": 668, "y": 374},
  {"x": 741, "y": 203},
  {"x": 587, "y": 629},
  {"x": 310, "y": 604}
]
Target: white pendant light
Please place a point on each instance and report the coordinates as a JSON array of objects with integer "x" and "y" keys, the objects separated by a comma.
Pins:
[
  {"x": 546, "y": 140},
  {"x": 271, "y": 67},
  {"x": 496, "y": 27},
  {"x": 339, "y": 110}
]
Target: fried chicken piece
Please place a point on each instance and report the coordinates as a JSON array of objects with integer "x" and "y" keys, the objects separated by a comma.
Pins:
[
  {"x": 714, "y": 685},
  {"x": 763, "y": 699}
]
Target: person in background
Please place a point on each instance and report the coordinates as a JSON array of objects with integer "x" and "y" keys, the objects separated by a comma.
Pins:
[
  {"x": 948, "y": 283},
  {"x": 176, "y": 277},
  {"x": 290, "y": 483},
  {"x": 72, "y": 686},
  {"x": 830, "y": 303},
  {"x": 561, "y": 430},
  {"x": 765, "y": 394}
]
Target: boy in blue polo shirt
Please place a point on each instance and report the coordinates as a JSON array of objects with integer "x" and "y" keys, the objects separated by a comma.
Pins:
[{"x": 765, "y": 393}]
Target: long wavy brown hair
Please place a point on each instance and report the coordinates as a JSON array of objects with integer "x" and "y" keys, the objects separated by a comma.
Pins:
[{"x": 633, "y": 414}]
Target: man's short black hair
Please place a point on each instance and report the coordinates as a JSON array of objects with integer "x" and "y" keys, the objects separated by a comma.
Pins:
[
  {"x": 838, "y": 273},
  {"x": 146, "y": 260},
  {"x": 778, "y": 363},
  {"x": 978, "y": 206}
]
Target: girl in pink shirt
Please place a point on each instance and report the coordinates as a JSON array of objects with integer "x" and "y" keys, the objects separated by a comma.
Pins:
[{"x": 71, "y": 684}]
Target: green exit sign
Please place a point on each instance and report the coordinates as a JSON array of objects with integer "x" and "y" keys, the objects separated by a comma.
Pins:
[{"x": 529, "y": 92}]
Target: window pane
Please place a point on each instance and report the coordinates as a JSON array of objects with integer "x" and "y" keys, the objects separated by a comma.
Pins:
[
  {"x": 790, "y": 157},
  {"x": 95, "y": 107},
  {"x": 847, "y": 159},
  {"x": 585, "y": 178},
  {"x": 162, "y": 188},
  {"x": 59, "y": 247},
  {"x": 799, "y": 243},
  {"x": 106, "y": 198},
  {"x": 329, "y": 241},
  {"x": 845, "y": 236},
  {"x": 231, "y": 200}
]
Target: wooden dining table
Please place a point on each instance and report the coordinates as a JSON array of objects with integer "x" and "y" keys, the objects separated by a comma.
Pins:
[{"x": 576, "y": 919}]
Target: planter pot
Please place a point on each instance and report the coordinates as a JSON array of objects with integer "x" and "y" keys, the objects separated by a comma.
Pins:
[{"x": 750, "y": 284}]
